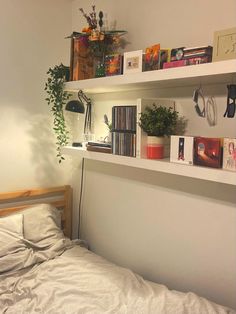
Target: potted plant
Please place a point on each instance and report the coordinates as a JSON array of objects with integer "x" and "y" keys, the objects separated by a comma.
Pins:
[
  {"x": 157, "y": 122},
  {"x": 57, "y": 98}
]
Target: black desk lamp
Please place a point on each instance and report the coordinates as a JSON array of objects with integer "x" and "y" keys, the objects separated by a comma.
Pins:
[{"x": 78, "y": 107}]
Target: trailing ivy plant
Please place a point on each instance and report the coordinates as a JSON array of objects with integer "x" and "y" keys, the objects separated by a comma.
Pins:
[{"x": 57, "y": 98}]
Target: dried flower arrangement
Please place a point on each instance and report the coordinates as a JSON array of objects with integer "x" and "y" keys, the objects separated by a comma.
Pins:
[{"x": 101, "y": 42}]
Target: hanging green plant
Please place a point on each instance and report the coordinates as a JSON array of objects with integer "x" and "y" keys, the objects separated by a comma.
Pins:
[{"x": 57, "y": 98}]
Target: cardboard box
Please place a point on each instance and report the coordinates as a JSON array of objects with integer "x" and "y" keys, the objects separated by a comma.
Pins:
[
  {"x": 207, "y": 152},
  {"x": 229, "y": 154},
  {"x": 181, "y": 149}
]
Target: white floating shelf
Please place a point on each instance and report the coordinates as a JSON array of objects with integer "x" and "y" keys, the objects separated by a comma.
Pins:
[
  {"x": 208, "y": 73},
  {"x": 203, "y": 173}
]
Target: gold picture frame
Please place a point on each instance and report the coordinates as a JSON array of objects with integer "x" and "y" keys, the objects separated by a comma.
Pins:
[{"x": 224, "y": 44}]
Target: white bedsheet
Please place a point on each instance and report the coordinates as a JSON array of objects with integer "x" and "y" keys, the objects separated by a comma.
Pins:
[{"x": 79, "y": 281}]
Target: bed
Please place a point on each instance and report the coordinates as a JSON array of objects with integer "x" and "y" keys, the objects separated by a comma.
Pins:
[{"x": 43, "y": 271}]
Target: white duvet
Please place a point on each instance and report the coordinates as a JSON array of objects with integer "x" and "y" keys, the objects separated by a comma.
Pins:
[{"x": 79, "y": 281}]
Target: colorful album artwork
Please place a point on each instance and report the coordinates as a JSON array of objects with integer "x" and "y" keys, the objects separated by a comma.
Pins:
[
  {"x": 229, "y": 154},
  {"x": 181, "y": 149},
  {"x": 113, "y": 64},
  {"x": 207, "y": 152},
  {"x": 151, "y": 58}
]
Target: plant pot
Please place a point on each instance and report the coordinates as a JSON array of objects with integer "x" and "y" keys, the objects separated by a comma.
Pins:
[{"x": 155, "y": 147}]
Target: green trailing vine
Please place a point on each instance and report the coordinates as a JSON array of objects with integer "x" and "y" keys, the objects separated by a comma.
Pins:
[{"x": 57, "y": 98}]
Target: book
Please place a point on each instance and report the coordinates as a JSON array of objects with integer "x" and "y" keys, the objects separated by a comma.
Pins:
[
  {"x": 198, "y": 51},
  {"x": 174, "y": 64},
  {"x": 100, "y": 144},
  {"x": 124, "y": 144},
  {"x": 124, "y": 130},
  {"x": 99, "y": 149},
  {"x": 124, "y": 118}
]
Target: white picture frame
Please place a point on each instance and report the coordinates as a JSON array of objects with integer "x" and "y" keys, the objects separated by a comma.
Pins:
[
  {"x": 224, "y": 44},
  {"x": 133, "y": 61}
]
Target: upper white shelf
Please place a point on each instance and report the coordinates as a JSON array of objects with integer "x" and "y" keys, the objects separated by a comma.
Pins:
[
  {"x": 208, "y": 73},
  {"x": 203, "y": 173}
]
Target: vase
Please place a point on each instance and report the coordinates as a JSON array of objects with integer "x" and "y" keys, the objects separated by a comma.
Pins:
[{"x": 155, "y": 147}]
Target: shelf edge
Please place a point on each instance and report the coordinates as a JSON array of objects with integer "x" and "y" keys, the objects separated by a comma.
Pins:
[{"x": 195, "y": 172}]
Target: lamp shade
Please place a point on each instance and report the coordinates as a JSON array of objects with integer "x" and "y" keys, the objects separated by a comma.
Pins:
[{"x": 75, "y": 106}]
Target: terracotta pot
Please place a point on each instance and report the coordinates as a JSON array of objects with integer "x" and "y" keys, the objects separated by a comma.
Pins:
[{"x": 155, "y": 147}]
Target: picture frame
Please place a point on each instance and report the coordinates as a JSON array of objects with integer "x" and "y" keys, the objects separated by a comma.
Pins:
[
  {"x": 133, "y": 61},
  {"x": 224, "y": 44}
]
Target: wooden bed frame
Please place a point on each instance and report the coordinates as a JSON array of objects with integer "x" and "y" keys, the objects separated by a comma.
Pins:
[{"x": 60, "y": 197}]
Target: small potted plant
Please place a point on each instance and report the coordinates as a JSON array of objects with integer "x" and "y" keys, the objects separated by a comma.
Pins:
[{"x": 157, "y": 122}]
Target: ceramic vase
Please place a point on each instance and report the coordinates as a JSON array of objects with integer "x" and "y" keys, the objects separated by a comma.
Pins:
[{"x": 155, "y": 147}]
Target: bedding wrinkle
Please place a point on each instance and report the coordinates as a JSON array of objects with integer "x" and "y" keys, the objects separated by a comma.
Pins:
[
  {"x": 79, "y": 281},
  {"x": 64, "y": 278}
]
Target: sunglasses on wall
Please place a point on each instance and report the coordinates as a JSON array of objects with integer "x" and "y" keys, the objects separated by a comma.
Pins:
[{"x": 231, "y": 105}]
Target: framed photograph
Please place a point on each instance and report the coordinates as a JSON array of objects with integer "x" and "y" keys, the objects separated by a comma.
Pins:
[
  {"x": 224, "y": 45},
  {"x": 133, "y": 61}
]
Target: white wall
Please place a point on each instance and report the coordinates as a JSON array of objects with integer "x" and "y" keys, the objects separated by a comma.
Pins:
[
  {"x": 32, "y": 40},
  {"x": 174, "y": 230}
]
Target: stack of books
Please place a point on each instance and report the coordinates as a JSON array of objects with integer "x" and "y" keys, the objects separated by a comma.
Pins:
[
  {"x": 124, "y": 130},
  {"x": 101, "y": 147},
  {"x": 189, "y": 56}
]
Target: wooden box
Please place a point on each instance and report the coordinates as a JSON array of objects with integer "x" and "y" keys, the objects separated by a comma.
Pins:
[{"x": 81, "y": 60}]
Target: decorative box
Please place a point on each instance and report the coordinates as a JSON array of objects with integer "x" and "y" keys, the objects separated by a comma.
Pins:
[
  {"x": 81, "y": 60},
  {"x": 113, "y": 64},
  {"x": 229, "y": 154},
  {"x": 207, "y": 152},
  {"x": 181, "y": 149}
]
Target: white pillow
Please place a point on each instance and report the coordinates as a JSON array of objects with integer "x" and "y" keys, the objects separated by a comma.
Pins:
[
  {"x": 42, "y": 224},
  {"x": 11, "y": 234}
]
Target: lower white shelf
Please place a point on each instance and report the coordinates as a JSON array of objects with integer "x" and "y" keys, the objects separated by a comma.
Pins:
[{"x": 163, "y": 165}]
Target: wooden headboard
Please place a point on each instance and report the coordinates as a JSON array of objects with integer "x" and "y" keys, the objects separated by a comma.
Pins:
[{"x": 60, "y": 197}]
